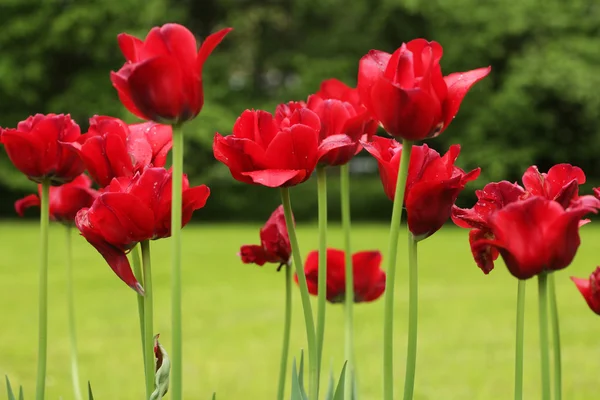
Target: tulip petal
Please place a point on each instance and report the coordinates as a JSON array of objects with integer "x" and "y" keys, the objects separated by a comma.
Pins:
[
  {"x": 257, "y": 126},
  {"x": 294, "y": 148},
  {"x": 459, "y": 84},
  {"x": 276, "y": 177},
  {"x": 253, "y": 254},
  {"x": 130, "y": 46},
  {"x": 119, "y": 82},
  {"x": 26, "y": 202},
  {"x": 208, "y": 45},
  {"x": 370, "y": 69},
  {"x": 369, "y": 279},
  {"x": 239, "y": 155},
  {"x": 193, "y": 199}
]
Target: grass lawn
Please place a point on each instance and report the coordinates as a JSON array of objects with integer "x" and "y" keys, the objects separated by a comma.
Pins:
[{"x": 233, "y": 319}]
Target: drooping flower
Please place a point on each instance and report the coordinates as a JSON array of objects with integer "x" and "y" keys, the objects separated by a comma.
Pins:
[
  {"x": 535, "y": 235},
  {"x": 369, "y": 278},
  {"x": 131, "y": 210},
  {"x": 112, "y": 149},
  {"x": 590, "y": 289},
  {"x": 432, "y": 186},
  {"x": 36, "y": 147},
  {"x": 162, "y": 77},
  {"x": 275, "y": 243},
  {"x": 406, "y": 92},
  {"x": 273, "y": 152},
  {"x": 65, "y": 200}
]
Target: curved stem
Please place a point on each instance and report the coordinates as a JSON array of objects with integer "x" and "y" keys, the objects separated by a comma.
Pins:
[
  {"x": 137, "y": 272},
  {"x": 388, "y": 326},
  {"x": 71, "y": 311},
  {"x": 43, "y": 292},
  {"x": 349, "y": 300},
  {"x": 322, "y": 277},
  {"x": 555, "y": 338},
  {"x": 413, "y": 303},
  {"x": 176, "y": 352},
  {"x": 519, "y": 341},
  {"x": 306, "y": 307},
  {"x": 287, "y": 323},
  {"x": 544, "y": 353},
  {"x": 148, "y": 319}
]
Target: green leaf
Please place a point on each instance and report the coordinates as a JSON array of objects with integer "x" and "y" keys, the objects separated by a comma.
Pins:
[
  {"x": 214, "y": 397},
  {"x": 11, "y": 395},
  {"x": 296, "y": 391},
  {"x": 330, "y": 386},
  {"x": 90, "y": 395},
  {"x": 339, "y": 392},
  {"x": 301, "y": 376},
  {"x": 163, "y": 370},
  {"x": 21, "y": 395}
]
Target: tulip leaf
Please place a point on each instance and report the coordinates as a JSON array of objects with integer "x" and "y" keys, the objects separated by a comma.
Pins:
[
  {"x": 301, "y": 375},
  {"x": 90, "y": 395},
  {"x": 339, "y": 391},
  {"x": 163, "y": 370},
  {"x": 21, "y": 395},
  {"x": 330, "y": 386},
  {"x": 296, "y": 391},
  {"x": 214, "y": 396},
  {"x": 11, "y": 395}
]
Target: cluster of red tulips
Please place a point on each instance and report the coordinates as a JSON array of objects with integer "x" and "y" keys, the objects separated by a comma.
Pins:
[{"x": 533, "y": 226}]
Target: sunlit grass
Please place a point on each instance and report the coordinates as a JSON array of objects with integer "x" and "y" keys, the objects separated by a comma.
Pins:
[{"x": 233, "y": 317}]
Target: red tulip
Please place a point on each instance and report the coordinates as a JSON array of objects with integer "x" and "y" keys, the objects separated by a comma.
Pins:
[
  {"x": 561, "y": 183},
  {"x": 535, "y": 235},
  {"x": 590, "y": 290},
  {"x": 65, "y": 200},
  {"x": 36, "y": 148},
  {"x": 335, "y": 89},
  {"x": 270, "y": 152},
  {"x": 406, "y": 92},
  {"x": 493, "y": 197},
  {"x": 162, "y": 77},
  {"x": 597, "y": 192},
  {"x": 369, "y": 278},
  {"x": 131, "y": 210},
  {"x": 112, "y": 149},
  {"x": 432, "y": 186},
  {"x": 275, "y": 243}
]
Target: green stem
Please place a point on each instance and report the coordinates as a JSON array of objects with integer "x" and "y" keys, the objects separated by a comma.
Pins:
[
  {"x": 544, "y": 353},
  {"x": 388, "y": 328},
  {"x": 306, "y": 307},
  {"x": 137, "y": 272},
  {"x": 413, "y": 303},
  {"x": 148, "y": 319},
  {"x": 71, "y": 311},
  {"x": 349, "y": 300},
  {"x": 555, "y": 338},
  {"x": 43, "y": 292},
  {"x": 176, "y": 352},
  {"x": 287, "y": 323},
  {"x": 322, "y": 277},
  {"x": 519, "y": 341}
]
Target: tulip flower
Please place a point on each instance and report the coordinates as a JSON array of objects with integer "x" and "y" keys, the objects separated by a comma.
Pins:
[
  {"x": 273, "y": 152},
  {"x": 131, "y": 210},
  {"x": 162, "y": 77},
  {"x": 275, "y": 243},
  {"x": 112, "y": 149},
  {"x": 406, "y": 92},
  {"x": 37, "y": 148},
  {"x": 432, "y": 186},
  {"x": 65, "y": 200},
  {"x": 535, "y": 235},
  {"x": 335, "y": 89},
  {"x": 590, "y": 290},
  {"x": 560, "y": 184},
  {"x": 369, "y": 278}
]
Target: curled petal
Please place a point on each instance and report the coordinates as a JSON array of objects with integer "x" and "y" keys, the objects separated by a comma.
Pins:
[{"x": 26, "y": 202}]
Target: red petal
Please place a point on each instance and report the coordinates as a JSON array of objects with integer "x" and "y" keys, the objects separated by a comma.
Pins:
[
  {"x": 276, "y": 177},
  {"x": 239, "y": 155},
  {"x": 459, "y": 84},
  {"x": 295, "y": 148},
  {"x": 209, "y": 44},
  {"x": 130, "y": 46},
  {"x": 253, "y": 254},
  {"x": 370, "y": 69},
  {"x": 120, "y": 82},
  {"x": 28, "y": 201},
  {"x": 158, "y": 137},
  {"x": 256, "y": 125},
  {"x": 368, "y": 283}
]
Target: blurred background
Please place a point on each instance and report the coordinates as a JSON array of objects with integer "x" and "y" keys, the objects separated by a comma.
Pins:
[{"x": 540, "y": 105}]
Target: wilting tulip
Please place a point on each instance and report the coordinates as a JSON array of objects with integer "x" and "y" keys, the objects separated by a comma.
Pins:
[
  {"x": 590, "y": 289},
  {"x": 273, "y": 153},
  {"x": 275, "y": 243},
  {"x": 432, "y": 186},
  {"x": 65, "y": 200},
  {"x": 369, "y": 278},
  {"x": 36, "y": 147},
  {"x": 162, "y": 77},
  {"x": 535, "y": 235},
  {"x": 131, "y": 210},
  {"x": 406, "y": 92},
  {"x": 112, "y": 149}
]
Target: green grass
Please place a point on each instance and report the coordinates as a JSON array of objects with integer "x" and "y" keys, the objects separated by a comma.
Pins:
[{"x": 233, "y": 317}]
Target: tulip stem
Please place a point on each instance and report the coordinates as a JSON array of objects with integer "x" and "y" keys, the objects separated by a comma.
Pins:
[
  {"x": 71, "y": 311},
  {"x": 413, "y": 303},
  {"x": 43, "y": 292},
  {"x": 176, "y": 330},
  {"x": 544, "y": 353},
  {"x": 287, "y": 323},
  {"x": 306, "y": 307},
  {"x": 519, "y": 341},
  {"x": 137, "y": 272},
  {"x": 148, "y": 319},
  {"x": 555, "y": 338},
  {"x": 322, "y": 278},
  {"x": 388, "y": 328},
  {"x": 349, "y": 299}
]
